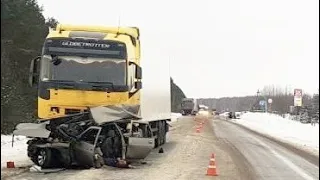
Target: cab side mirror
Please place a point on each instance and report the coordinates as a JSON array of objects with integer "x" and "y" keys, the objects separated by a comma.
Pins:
[
  {"x": 33, "y": 72},
  {"x": 138, "y": 85},
  {"x": 138, "y": 72}
]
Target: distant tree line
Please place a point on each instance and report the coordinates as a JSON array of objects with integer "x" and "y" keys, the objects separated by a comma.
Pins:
[
  {"x": 176, "y": 97},
  {"x": 23, "y": 29},
  {"x": 282, "y": 99}
]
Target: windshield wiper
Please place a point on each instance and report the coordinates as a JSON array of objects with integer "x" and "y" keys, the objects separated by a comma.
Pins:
[
  {"x": 82, "y": 84},
  {"x": 64, "y": 83},
  {"x": 99, "y": 84}
]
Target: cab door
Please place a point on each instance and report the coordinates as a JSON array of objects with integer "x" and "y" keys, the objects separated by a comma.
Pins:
[
  {"x": 140, "y": 147},
  {"x": 84, "y": 147}
]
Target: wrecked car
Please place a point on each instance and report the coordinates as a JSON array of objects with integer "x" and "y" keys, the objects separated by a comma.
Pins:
[{"x": 89, "y": 139}]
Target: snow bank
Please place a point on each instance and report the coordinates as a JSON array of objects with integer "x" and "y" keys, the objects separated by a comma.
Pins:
[
  {"x": 302, "y": 135},
  {"x": 17, "y": 153},
  {"x": 224, "y": 115},
  {"x": 175, "y": 116}
]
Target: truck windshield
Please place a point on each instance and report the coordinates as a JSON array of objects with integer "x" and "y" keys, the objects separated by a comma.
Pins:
[
  {"x": 86, "y": 69},
  {"x": 84, "y": 60},
  {"x": 187, "y": 104}
]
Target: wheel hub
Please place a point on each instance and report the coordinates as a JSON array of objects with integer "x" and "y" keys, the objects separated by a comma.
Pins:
[{"x": 41, "y": 157}]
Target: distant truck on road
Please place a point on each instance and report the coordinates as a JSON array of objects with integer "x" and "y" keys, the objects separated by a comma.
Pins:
[{"x": 189, "y": 106}]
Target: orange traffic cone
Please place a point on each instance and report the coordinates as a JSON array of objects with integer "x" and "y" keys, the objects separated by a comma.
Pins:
[{"x": 212, "y": 170}]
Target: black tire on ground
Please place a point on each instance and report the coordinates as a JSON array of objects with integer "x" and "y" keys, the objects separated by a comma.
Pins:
[{"x": 44, "y": 158}]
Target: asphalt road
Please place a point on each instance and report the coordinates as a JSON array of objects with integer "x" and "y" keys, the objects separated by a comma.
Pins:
[
  {"x": 239, "y": 154},
  {"x": 268, "y": 159}
]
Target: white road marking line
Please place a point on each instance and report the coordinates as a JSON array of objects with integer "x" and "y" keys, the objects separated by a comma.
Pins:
[{"x": 286, "y": 161}]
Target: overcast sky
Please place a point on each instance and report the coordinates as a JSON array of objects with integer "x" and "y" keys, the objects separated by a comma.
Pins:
[{"x": 216, "y": 48}]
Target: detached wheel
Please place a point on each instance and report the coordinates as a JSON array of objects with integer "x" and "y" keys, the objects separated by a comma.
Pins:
[{"x": 44, "y": 157}]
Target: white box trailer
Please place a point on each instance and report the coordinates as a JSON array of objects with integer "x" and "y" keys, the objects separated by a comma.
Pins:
[{"x": 155, "y": 92}]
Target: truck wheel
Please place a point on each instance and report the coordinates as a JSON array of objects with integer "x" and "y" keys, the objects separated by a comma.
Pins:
[
  {"x": 44, "y": 157},
  {"x": 160, "y": 133},
  {"x": 158, "y": 140},
  {"x": 164, "y": 133}
]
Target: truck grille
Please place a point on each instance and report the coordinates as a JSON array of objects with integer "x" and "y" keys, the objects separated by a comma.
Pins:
[{"x": 73, "y": 111}]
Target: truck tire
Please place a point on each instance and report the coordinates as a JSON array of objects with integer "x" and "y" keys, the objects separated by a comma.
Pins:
[
  {"x": 44, "y": 157},
  {"x": 158, "y": 139},
  {"x": 163, "y": 132}
]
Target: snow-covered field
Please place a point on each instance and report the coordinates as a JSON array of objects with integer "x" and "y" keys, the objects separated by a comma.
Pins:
[
  {"x": 301, "y": 135},
  {"x": 18, "y": 153},
  {"x": 175, "y": 116}
]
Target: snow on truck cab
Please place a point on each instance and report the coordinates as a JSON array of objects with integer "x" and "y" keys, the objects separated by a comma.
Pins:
[{"x": 90, "y": 103}]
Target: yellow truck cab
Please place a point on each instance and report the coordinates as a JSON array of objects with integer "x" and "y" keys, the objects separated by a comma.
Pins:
[
  {"x": 87, "y": 66},
  {"x": 96, "y": 69}
]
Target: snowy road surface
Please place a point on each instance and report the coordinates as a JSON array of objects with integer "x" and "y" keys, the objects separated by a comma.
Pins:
[
  {"x": 239, "y": 154},
  {"x": 268, "y": 159}
]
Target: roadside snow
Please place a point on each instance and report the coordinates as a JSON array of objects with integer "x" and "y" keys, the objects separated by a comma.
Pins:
[
  {"x": 224, "y": 115},
  {"x": 302, "y": 135},
  {"x": 17, "y": 153},
  {"x": 175, "y": 116}
]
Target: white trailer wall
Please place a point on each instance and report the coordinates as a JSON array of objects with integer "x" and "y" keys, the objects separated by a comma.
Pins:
[{"x": 155, "y": 94}]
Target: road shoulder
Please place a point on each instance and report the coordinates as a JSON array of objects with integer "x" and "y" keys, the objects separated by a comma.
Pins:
[
  {"x": 310, "y": 157},
  {"x": 244, "y": 168}
]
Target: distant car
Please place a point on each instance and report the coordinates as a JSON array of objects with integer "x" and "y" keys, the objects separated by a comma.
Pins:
[
  {"x": 232, "y": 115},
  {"x": 237, "y": 115}
]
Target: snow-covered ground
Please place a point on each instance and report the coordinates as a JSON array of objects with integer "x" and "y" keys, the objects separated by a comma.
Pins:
[
  {"x": 17, "y": 153},
  {"x": 175, "y": 116},
  {"x": 301, "y": 135}
]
